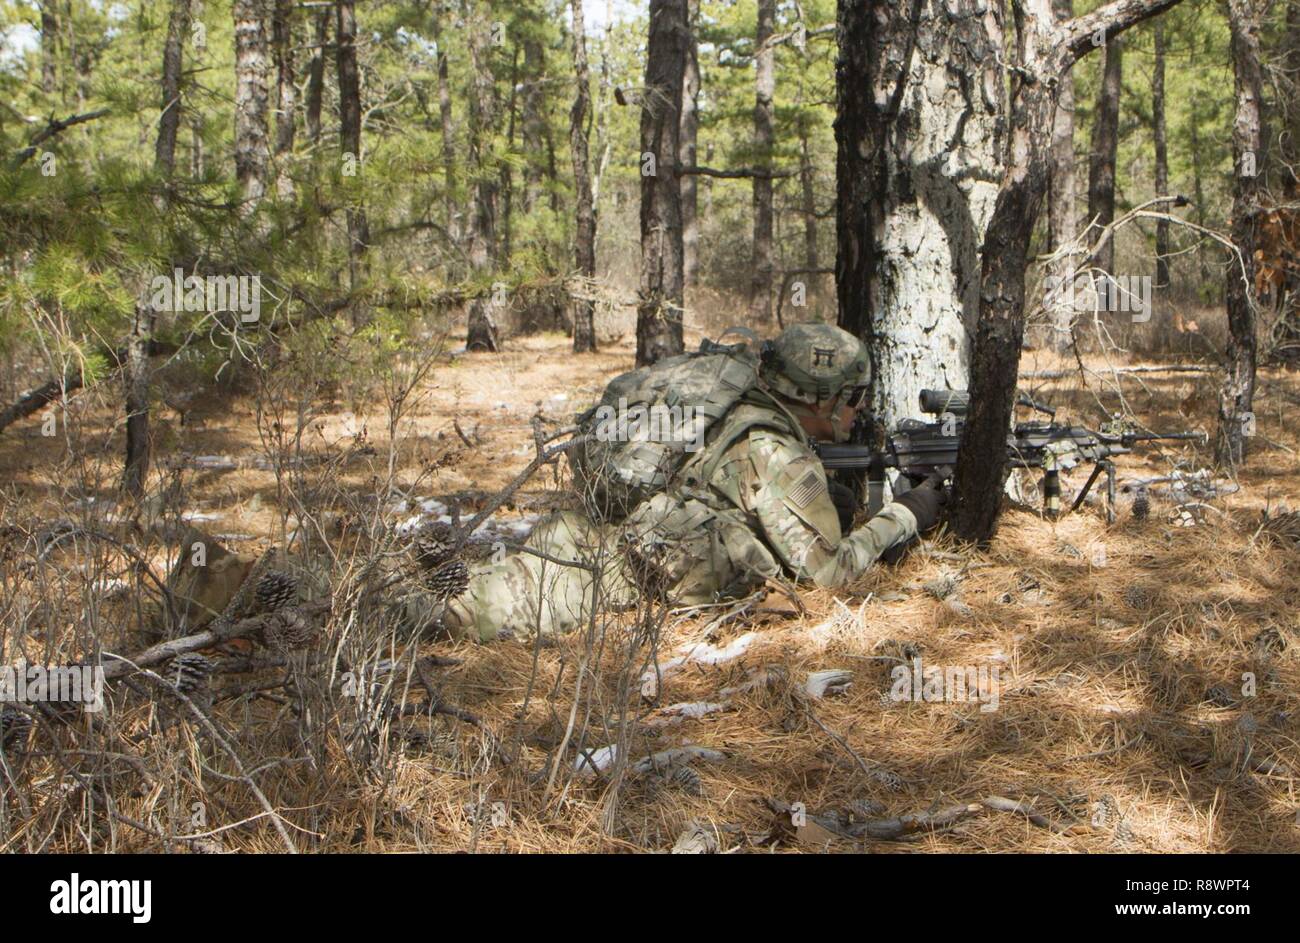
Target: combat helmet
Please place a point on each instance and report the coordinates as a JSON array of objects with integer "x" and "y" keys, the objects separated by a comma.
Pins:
[{"x": 812, "y": 362}]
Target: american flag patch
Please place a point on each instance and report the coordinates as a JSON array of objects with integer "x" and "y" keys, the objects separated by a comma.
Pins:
[{"x": 806, "y": 489}]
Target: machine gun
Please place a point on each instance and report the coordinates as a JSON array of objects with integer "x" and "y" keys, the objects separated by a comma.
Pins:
[{"x": 919, "y": 450}]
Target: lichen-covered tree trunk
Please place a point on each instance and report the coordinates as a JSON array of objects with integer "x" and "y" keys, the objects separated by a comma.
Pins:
[
  {"x": 1105, "y": 147},
  {"x": 762, "y": 264},
  {"x": 169, "y": 121},
  {"x": 687, "y": 149},
  {"x": 1160, "y": 137},
  {"x": 285, "y": 93},
  {"x": 252, "y": 153},
  {"x": 919, "y": 135},
  {"x": 660, "y": 296},
  {"x": 481, "y": 331},
  {"x": 584, "y": 237},
  {"x": 1061, "y": 214},
  {"x": 1236, "y": 399}
]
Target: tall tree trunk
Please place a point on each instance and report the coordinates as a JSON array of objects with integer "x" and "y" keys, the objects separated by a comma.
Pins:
[
  {"x": 1105, "y": 148},
  {"x": 919, "y": 154},
  {"x": 445, "y": 122},
  {"x": 659, "y": 305},
  {"x": 349, "y": 77},
  {"x": 687, "y": 152},
  {"x": 1061, "y": 214},
  {"x": 251, "y": 151},
  {"x": 505, "y": 222},
  {"x": 1159, "y": 133},
  {"x": 49, "y": 47},
  {"x": 169, "y": 122},
  {"x": 584, "y": 238},
  {"x": 809, "y": 195},
  {"x": 136, "y": 376},
  {"x": 534, "y": 120},
  {"x": 285, "y": 104},
  {"x": 316, "y": 74},
  {"x": 762, "y": 265},
  {"x": 1236, "y": 400},
  {"x": 482, "y": 327},
  {"x": 1044, "y": 53}
]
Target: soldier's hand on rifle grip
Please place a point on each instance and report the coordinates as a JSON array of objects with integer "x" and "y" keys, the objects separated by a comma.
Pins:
[{"x": 926, "y": 502}]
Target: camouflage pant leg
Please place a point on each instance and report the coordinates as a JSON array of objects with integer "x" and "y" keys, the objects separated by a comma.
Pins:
[{"x": 525, "y": 593}]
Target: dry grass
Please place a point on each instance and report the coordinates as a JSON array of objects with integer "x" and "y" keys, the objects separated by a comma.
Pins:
[{"x": 1109, "y": 641}]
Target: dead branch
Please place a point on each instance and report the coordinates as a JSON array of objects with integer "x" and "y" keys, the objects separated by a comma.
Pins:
[
  {"x": 55, "y": 126},
  {"x": 221, "y": 631}
]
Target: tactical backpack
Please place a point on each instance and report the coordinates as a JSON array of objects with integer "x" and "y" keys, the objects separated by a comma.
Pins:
[{"x": 650, "y": 421}]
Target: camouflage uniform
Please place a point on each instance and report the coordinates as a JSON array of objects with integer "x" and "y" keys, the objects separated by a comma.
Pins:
[{"x": 751, "y": 505}]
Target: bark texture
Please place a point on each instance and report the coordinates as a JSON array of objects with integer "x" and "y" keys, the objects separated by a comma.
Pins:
[
  {"x": 919, "y": 132},
  {"x": 762, "y": 264},
  {"x": 1061, "y": 212},
  {"x": 584, "y": 239},
  {"x": 285, "y": 93},
  {"x": 1105, "y": 147},
  {"x": 1045, "y": 52},
  {"x": 482, "y": 332},
  {"x": 169, "y": 121},
  {"x": 136, "y": 375},
  {"x": 1161, "y": 142},
  {"x": 316, "y": 74},
  {"x": 1236, "y": 400},
  {"x": 349, "y": 77},
  {"x": 688, "y": 152},
  {"x": 252, "y": 152},
  {"x": 660, "y": 297}
]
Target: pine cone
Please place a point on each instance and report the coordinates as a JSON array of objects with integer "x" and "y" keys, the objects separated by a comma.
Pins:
[
  {"x": 433, "y": 544},
  {"x": 449, "y": 580},
  {"x": 275, "y": 590},
  {"x": 685, "y": 779},
  {"x": 1142, "y": 506},
  {"x": 191, "y": 672},
  {"x": 192, "y": 675},
  {"x": 14, "y": 728},
  {"x": 288, "y": 631}
]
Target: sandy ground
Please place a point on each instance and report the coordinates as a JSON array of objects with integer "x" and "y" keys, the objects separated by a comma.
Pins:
[{"x": 1120, "y": 657}]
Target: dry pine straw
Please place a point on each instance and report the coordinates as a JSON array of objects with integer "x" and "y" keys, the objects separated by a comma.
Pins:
[{"x": 1105, "y": 663}]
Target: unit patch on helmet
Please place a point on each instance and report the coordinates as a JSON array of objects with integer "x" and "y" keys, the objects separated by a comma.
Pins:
[
  {"x": 823, "y": 357},
  {"x": 807, "y": 489}
]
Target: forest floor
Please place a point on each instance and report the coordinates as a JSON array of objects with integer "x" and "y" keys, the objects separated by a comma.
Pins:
[{"x": 1117, "y": 655}]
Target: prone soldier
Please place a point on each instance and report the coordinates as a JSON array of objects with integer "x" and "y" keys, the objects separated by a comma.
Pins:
[{"x": 753, "y": 503}]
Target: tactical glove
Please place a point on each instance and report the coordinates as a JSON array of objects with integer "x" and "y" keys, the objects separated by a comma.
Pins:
[
  {"x": 926, "y": 502},
  {"x": 846, "y": 504}
]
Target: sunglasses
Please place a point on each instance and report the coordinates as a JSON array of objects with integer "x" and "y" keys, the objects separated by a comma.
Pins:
[{"x": 857, "y": 396}]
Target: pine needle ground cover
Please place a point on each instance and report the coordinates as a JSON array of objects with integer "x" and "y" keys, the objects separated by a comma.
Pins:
[{"x": 1145, "y": 677}]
